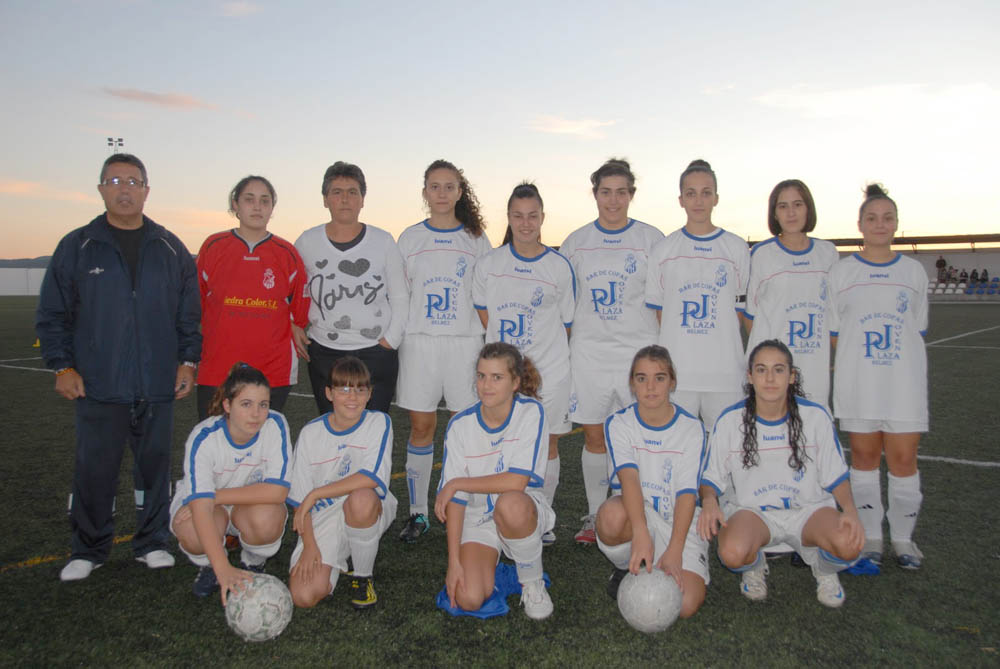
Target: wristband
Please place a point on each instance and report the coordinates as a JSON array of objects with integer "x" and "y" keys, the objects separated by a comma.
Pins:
[
  {"x": 64, "y": 370},
  {"x": 187, "y": 363}
]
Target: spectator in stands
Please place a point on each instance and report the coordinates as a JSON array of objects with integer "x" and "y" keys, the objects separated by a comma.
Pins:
[
  {"x": 974, "y": 277},
  {"x": 963, "y": 276},
  {"x": 952, "y": 274},
  {"x": 941, "y": 265},
  {"x": 984, "y": 276}
]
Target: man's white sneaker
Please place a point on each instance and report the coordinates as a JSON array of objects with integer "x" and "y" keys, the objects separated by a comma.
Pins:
[
  {"x": 753, "y": 583},
  {"x": 157, "y": 559},
  {"x": 828, "y": 591},
  {"x": 536, "y": 601},
  {"x": 77, "y": 570}
]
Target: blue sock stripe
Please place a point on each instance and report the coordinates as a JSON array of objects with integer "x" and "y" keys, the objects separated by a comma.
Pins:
[
  {"x": 413, "y": 493},
  {"x": 833, "y": 559},
  {"x": 747, "y": 567},
  {"x": 420, "y": 450}
]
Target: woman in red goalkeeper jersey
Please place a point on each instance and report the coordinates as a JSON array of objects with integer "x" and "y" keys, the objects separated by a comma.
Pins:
[{"x": 251, "y": 297}]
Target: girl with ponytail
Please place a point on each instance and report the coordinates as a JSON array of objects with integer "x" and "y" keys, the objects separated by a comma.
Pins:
[
  {"x": 777, "y": 456},
  {"x": 236, "y": 478},
  {"x": 491, "y": 494},
  {"x": 879, "y": 318}
]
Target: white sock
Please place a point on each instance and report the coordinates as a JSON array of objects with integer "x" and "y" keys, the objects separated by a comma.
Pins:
[
  {"x": 827, "y": 563},
  {"x": 199, "y": 560},
  {"x": 527, "y": 555},
  {"x": 866, "y": 487},
  {"x": 551, "y": 480},
  {"x": 419, "y": 463},
  {"x": 618, "y": 555},
  {"x": 257, "y": 555},
  {"x": 904, "y": 506},
  {"x": 595, "y": 479},
  {"x": 364, "y": 547}
]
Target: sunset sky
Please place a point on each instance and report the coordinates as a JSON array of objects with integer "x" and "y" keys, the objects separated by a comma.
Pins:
[{"x": 837, "y": 94}]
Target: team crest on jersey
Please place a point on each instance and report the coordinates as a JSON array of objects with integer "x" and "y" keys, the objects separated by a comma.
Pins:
[
  {"x": 798, "y": 474},
  {"x": 345, "y": 466},
  {"x": 269, "y": 278},
  {"x": 902, "y": 302},
  {"x": 460, "y": 267},
  {"x": 499, "y": 468},
  {"x": 256, "y": 476},
  {"x": 720, "y": 276},
  {"x": 630, "y": 263},
  {"x": 537, "y": 296},
  {"x": 668, "y": 472},
  {"x": 572, "y": 403},
  {"x": 822, "y": 289}
]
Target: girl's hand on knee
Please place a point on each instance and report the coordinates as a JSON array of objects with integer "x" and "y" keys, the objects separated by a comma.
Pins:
[
  {"x": 671, "y": 562},
  {"x": 308, "y": 565},
  {"x": 710, "y": 521},
  {"x": 183, "y": 515},
  {"x": 851, "y": 524}
]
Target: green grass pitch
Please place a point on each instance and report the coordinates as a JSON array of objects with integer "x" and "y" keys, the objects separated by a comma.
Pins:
[{"x": 947, "y": 614}]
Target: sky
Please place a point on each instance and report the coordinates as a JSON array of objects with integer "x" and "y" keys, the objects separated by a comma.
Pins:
[{"x": 837, "y": 94}]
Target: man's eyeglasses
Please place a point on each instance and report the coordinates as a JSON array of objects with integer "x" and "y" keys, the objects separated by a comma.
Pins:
[{"x": 131, "y": 182}]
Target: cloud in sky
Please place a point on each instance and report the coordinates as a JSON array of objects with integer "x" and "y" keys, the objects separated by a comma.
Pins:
[
  {"x": 174, "y": 100},
  {"x": 239, "y": 8},
  {"x": 889, "y": 100},
  {"x": 587, "y": 128},
  {"x": 39, "y": 191}
]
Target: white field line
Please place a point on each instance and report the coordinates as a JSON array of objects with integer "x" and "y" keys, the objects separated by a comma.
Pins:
[
  {"x": 957, "y": 461},
  {"x": 982, "y": 348},
  {"x": 966, "y": 334},
  {"x": 20, "y": 359},
  {"x": 30, "y": 369}
]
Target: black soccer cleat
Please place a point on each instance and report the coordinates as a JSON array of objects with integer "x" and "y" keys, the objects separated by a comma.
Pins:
[
  {"x": 415, "y": 526},
  {"x": 205, "y": 582},
  {"x": 615, "y": 581}
]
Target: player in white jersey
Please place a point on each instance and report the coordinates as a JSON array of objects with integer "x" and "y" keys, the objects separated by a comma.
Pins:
[
  {"x": 443, "y": 332},
  {"x": 525, "y": 294},
  {"x": 697, "y": 283},
  {"x": 491, "y": 484},
  {"x": 779, "y": 454},
  {"x": 656, "y": 450},
  {"x": 788, "y": 293},
  {"x": 611, "y": 322},
  {"x": 236, "y": 469},
  {"x": 879, "y": 318},
  {"x": 340, "y": 491}
]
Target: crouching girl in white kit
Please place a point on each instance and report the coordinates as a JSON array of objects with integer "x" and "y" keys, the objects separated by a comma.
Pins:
[
  {"x": 788, "y": 475},
  {"x": 340, "y": 490},
  {"x": 656, "y": 449},
  {"x": 235, "y": 482},
  {"x": 491, "y": 484}
]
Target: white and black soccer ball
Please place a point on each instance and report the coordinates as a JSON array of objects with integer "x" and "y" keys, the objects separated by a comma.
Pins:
[
  {"x": 261, "y": 611},
  {"x": 649, "y": 601}
]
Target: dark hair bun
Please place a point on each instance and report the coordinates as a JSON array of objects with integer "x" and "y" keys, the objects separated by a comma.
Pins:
[
  {"x": 698, "y": 162},
  {"x": 875, "y": 190}
]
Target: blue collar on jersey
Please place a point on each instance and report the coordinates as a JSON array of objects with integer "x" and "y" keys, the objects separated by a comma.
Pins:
[
  {"x": 702, "y": 239},
  {"x": 427, "y": 224},
  {"x": 878, "y": 264},
  {"x": 605, "y": 231},
  {"x": 522, "y": 258}
]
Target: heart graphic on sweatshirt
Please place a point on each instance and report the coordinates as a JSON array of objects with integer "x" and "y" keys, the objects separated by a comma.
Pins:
[
  {"x": 332, "y": 336},
  {"x": 354, "y": 268},
  {"x": 343, "y": 323},
  {"x": 371, "y": 333},
  {"x": 321, "y": 263}
]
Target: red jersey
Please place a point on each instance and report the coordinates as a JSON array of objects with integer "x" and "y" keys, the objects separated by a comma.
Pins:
[{"x": 250, "y": 295}]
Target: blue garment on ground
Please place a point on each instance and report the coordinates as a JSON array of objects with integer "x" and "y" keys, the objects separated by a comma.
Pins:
[
  {"x": 863, "y": 567},
  {"x": 505, "y": 585}
]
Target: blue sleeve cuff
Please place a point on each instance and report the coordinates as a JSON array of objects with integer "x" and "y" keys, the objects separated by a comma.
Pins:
[
  {"x": 654, "y": 306},
  {"x": 923, "y": 333},
  {"x": 534, "y": 480},
  {"x": 843, "y": 477},
  {"x": 834, "y": 333},
  {"x": 455, "y": 500},
  {"x": 282, "y": 483},
  {"x": 380, "y": 484},
  {"x": 479, "y": 307},
  {"x": 210, "y": 495},
  {"x": 568, "y": 325},
  {"x": 627, "y": 465},
  {"x": 748, "y": 314},
  {"x": 718, "y": 491},
  {"x": 686, "y": 491}
]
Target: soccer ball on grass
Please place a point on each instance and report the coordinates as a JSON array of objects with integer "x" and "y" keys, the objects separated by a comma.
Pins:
[
  {"x": 261, "y": 610},
  {"x": 649, "y": 601}
]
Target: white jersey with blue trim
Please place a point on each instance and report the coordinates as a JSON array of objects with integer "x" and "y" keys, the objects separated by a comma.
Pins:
[
  {"x": 213, "y": 462},
  {"x": 667, "y": 458},
  {"x": 530, "y": 303},
  {"x": 472, "y": 449},
  {"x": 699, "y": 284},
  {"x": 440, "y": 264},
  {"x": 772, "y": 484},
  {"x": 788, "y": 299},
  {"x": 324, "y": 455},
  {"x": 611, "y": 318},
  {"x": 879, "y": 315}
]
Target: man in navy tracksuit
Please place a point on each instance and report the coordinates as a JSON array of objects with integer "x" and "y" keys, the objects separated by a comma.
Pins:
[{"x": 118, "y": 322}]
